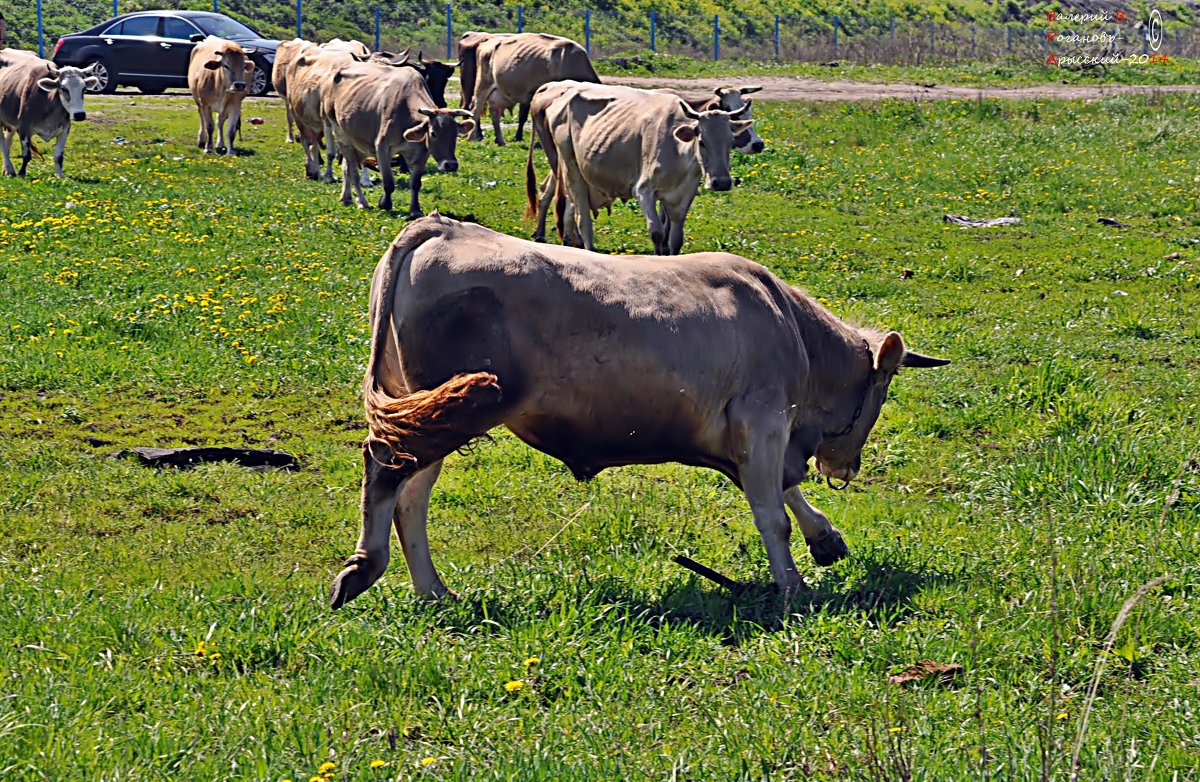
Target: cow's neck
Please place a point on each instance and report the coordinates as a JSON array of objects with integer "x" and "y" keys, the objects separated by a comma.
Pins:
[{"x": 839, "y": 358}]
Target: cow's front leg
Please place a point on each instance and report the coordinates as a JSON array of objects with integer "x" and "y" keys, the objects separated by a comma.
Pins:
[
  {"x": 234, "y": 124},
  {"x": 5, "y": 143},
  {"x": 351, "y": 163},
  {"x": 676, "y": 215},
  {"x": 411, "y": 519},
  {"x": 522, "y": 115},
  {"x": 824, "y": 541},
  {"x": 497, "y": 111},
  {"x": 60, "y": 146},
  {"x": 760, "y": 450},
  {"x": 648, "y": 200},
  {"x": 204, "y": 138},
  {"x": 26, "y": 152},
  {"x": 383, "y": 156},
  {"x": 415, "y": 172},
  {"x": 380, "y": 489}
]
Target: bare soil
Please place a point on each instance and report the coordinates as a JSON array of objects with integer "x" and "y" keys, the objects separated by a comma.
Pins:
[{"x": 790, "y": 88}]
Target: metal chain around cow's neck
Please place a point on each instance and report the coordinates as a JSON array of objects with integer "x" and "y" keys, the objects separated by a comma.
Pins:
[{"x": 862, "y": 401}]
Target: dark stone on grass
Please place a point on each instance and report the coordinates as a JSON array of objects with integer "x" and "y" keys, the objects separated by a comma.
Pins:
[
  {"x": 1114, "y": 222},
  {"x": 184, "y": 458}
]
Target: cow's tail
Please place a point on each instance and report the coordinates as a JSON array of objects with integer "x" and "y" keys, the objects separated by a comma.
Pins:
[
  {"x": 531, "y": 189},
  {"x": 424, "y": 426}
]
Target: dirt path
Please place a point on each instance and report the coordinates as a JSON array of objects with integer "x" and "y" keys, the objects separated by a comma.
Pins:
[{"x": 788, "y": 88}]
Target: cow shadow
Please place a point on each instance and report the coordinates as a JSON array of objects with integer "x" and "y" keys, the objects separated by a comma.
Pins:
[{"x": 876, "y": 585}]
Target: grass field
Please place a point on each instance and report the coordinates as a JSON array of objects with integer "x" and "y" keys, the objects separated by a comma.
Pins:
[{"x": 174, "y": 626}]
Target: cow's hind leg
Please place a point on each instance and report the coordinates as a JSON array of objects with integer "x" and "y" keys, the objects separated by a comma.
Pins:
[
  {"x": 522, "y": 115},
  {"x": 26, "y": 151},
  {"x": 5, "y": 143},
  {"x": 824, "y": 541},
  {"x": 410, "y": 520},
  {"x": 381, "y": 488}
]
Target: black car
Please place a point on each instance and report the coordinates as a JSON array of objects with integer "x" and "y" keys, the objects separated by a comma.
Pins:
[{"x": 150, "y": 49}]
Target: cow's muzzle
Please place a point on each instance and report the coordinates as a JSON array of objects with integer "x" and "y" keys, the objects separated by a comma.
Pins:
[
  {"x": 79, "y": 116},
  {"x": 720, "y": 183},
  {"x": 756, "y": 147},
  {"x": 843, "y": 474},
  {"x": 238, "y": 86},
  {"x": 448, "y": 166}
]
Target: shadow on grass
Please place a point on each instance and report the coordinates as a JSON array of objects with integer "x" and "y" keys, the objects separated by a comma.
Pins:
[{"x": 876, "y": 585}]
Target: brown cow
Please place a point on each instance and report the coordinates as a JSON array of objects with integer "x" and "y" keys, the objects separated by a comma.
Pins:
[
  {"x": 218, "y": 72},
  {"x": 37, "y": 96},
  {"x": 706, "y": 360},
  {"x": 468, "y": 46},
  {"x": 733, "y": 99},
  {"x": 511, "y": 68},
  {"x": 606, "y": 142},
  {"x": 285, "y": 59},
  {"x": 374, "y": 109}
]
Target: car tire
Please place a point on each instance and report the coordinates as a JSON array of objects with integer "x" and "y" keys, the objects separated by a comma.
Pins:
[
  {"x": 105, "y": 73},
  {"x": 152, "y": 89},
  {"x": 260, "y": 83}
]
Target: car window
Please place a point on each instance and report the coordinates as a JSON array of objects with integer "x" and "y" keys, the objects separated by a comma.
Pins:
[
  {"x": 115, "y": 29},
  {"x": 140, "y": 25},
  {"x": 224, "y": 27},
  {"x": 174, "y": 27}
]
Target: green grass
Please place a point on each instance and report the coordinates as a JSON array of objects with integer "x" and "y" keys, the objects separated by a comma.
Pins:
[{"x": 1009, "y": 503}]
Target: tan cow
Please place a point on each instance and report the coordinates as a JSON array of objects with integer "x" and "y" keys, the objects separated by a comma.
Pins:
[
  {"x": 733, "y": 99},
  {"x": 511, "y": 68},
  {"x": 218, "y": 72},
  {"x": 468, "y": 46},
  {"x": 285, "y": 59},
  {"x": 374, "y": 110},
  {"x": 601, "y": 361},
  {"x": 37, "y": 96},
  {"x": 606, "y": 142}
]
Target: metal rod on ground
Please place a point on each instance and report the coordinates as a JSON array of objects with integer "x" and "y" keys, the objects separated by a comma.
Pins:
[
  {"x": 587, "y": 31},
  {"x": 653, "y": 25},
  {"x": 707, "y": 572},
  {"x": 520, "y": 18},
  {"x": 449, "y": 33},
  {"x": 716, "y": 36},
  {"x": 776, "y": 36},
  {"x": 377, "y": 46},
  {"x": 41, "y": 35}
]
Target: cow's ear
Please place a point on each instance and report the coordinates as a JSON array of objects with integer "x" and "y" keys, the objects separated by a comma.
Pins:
[
  {"x": 890, "y": 353},
  {"x": 741, "y": 126},
  {"x": 91, "y": 82},
  {"x": 417, "y": 133},
  {"x": 49, "y": 85},
  {"x": 466, "y": 127},
  {"x": 686, "y": 133},
  {"x": 212, "y": 65}
]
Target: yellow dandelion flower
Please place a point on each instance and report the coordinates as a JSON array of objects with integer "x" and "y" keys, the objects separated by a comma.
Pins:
[
  {"x": 895, "y": 730},
  {"x": 215, "y": 656},
  {"x": 326, "y": 767},
  {"x": 532, "y": 661},
  {"x": 378, "y": 763},
  {"x": 515, "y": 685},
  {"x": 316, "y": 779},
  {"x": 200, "y": 650},
  {"x": 429, "y": 761},
  {"x": 1061, "y": 716}
]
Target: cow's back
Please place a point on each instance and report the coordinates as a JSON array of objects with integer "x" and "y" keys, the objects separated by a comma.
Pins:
[
  {"x": 285, "y": 58},
  {"x": 522, "y": 63},
  {"x": 364, "y": 98},
  {"x": 19, "y": 93}
]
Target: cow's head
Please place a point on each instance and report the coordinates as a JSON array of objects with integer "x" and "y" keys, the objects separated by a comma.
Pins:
[
  {"x": 236, "y": 66},
  {"x": 440, "y": 132},
  {"x": 71, "y": 84},
  {"x": 847, "y": 425},
  {"x": 436, "y": 74},
  {"x": 712, "y": 134},
  {"x": 732, "y": 99}
]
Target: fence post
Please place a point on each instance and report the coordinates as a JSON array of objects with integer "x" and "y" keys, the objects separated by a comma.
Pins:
[
  {"x": 932, "y": 37},
  {"x": 1009, "y": 28},
  {"x": 520, "y": 18},
  {"x": 972, "y": 42},
  {"x": 41, "y": 37},
  {"x": 587, "y": 31},
  {"x": 836, "y": 24},
  {"x": 299, "y": 18},
  {"x": 1146, "y": 41},
  {"x": 892, "y": 30},
  {"x": 377, "y": 46},
  {"x": 216, "y": 6},
  {"x": 716, "y": 36},
  {"x": 449, "y": 32},
  {"x": 653, "y": 31},
  {"x": 116, "y": 11},
  {"x": 777, "y": 36}
]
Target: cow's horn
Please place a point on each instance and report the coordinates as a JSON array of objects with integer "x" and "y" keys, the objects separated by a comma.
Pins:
[
  {"x": 453, "y": 64},
  {"x": 920, "y": 361},
  {"x": 463, "y": 113},
  {"x": 427, "y": 111},
  {"x": 688, "y": 111},
  {"x": 361, "y": 57},
  {"x": 748, "y": 90},
  {"x": 739, "y": 113}
]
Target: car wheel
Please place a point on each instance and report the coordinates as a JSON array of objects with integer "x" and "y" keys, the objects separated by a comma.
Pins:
[
  {"x": 152, "y": 89},
  {"x": 103, "y": 71},
  {"x": 259, "y": 83}
]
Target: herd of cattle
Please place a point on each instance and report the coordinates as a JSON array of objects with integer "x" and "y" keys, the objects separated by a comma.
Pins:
[
  {"x": 599, "y": 361},
  {"x": 377, "y": 110}
]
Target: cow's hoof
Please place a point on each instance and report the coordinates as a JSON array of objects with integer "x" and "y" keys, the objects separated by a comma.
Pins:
[
  {"x": 385, "y": 204},
  {"x": 414, "y": 214},
  {"x": 538, "y": 237},
  {"x": 828, "y": 548},
  {"x": 351, "y": 582}
]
